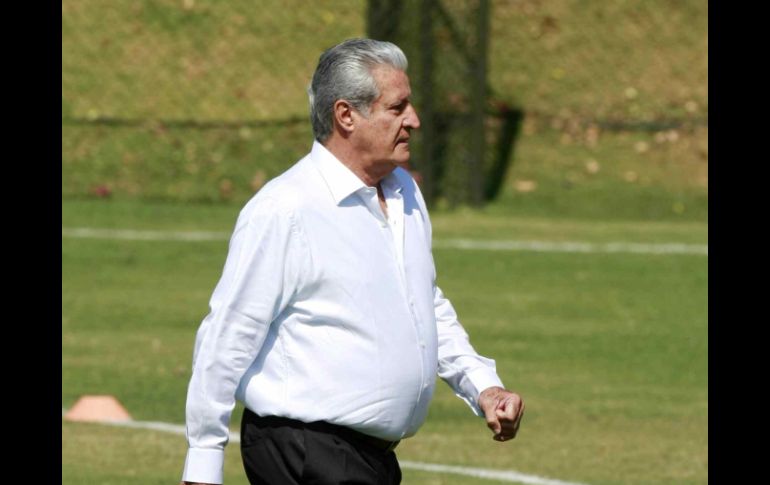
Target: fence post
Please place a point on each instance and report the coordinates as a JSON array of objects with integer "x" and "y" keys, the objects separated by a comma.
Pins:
[
  {"x": 382, "y": 19},
  {"x": 427, "y": 110},
  {"x": 479, "y": 100}
]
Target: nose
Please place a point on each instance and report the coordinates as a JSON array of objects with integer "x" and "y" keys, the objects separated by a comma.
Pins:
[{"x": 411, "y": 120}]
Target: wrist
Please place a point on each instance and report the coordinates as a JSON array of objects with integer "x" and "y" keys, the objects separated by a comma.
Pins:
[{"x": 490, "y": 391}]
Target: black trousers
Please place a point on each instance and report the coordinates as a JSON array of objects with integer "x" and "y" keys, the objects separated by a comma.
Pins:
[{"x": 280, "y": 451}]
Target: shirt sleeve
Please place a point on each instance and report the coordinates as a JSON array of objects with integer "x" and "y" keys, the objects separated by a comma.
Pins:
[
  {"x": 262, "y": 272},
  {"x": 459, "y": 365},
  {"x": 466, "y": 372}
]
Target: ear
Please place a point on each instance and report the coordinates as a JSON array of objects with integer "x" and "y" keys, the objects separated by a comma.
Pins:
[{"x": 343, "y": 115}]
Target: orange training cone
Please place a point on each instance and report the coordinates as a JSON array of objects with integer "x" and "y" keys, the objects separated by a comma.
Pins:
[{"x": 96, "y": 409}]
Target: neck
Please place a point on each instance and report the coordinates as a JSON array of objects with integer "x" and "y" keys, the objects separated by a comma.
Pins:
[{"x": 370, "y": 173}]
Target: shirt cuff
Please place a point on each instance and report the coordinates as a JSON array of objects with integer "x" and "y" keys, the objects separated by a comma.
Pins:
[
  {"x": 482, "y": 378},
  {"x": 204, "y": 466}
]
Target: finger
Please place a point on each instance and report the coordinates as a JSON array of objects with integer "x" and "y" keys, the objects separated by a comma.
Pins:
[
  {"x": 515, "y": 429},
  {"x": 510, "y": 427},
  {"x": 505, "y": 415},
  {"x": 519, "y": 413},
  {"x": 509, "y": 407},
  {"x": 491, "y": 416},
  {"x": 507, "y": 410},
  {"x": 519, "y": 417}
]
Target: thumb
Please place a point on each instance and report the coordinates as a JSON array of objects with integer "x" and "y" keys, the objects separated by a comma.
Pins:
[{"x": 504, "y": 409}]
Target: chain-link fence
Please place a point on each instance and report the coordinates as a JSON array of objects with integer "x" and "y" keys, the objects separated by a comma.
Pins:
[
  {"x": 194, "y": 99},
  {"x": 479, "y": 65}
]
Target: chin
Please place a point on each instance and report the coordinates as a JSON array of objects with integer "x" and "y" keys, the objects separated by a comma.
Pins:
[
  {"x": 401, "y": 159},
  {"x": 402, "y": 162}
]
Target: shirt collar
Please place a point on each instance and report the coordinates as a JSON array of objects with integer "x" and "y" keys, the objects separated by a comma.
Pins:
[
  {"x": 391, "y": 182},
  {"x": 342, "y": 182},
  {"x": 340, "y": 179}
]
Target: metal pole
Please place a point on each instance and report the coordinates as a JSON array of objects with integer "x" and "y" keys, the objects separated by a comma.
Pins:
[
  {"x": 427, "y": 110},
  {"x": 479, "y": 91},
  {"x": 382, "y": 19}
]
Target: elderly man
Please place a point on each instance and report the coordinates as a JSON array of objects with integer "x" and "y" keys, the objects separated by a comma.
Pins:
[{"x": 327, "y": 322}]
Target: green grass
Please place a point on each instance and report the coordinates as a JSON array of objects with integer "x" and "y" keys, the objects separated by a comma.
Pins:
[
  {"x": 104, "y": 455},
  {"x": 609, "y": 351},
  {"x": 582, "y": 58},
  {"x": 224, "y": 61},
  {"x": 217, "y": 165},
  {"x": 621, "y": 176},
  {"x": 462, "y": 223},
  {"x": 125, "y": 461},
  {"x": 233, "y": 61},
  {"x": 565, "y": 63},
  {"x": 571, "y": 179}
]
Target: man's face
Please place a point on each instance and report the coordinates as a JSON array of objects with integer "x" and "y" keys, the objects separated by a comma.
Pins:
[{"x": 383, "y": 136}]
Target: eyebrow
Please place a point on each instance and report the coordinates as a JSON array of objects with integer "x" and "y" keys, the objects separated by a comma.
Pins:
[{"x": 399, "y": 102}]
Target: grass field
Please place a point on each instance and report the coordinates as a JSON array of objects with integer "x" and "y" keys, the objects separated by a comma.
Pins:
[
  {"x": 566, "y": 64},
  {"x": 233, "y": 61},
  {"x": 567, "y": 178},
  {"x": 608, "y": 350}
]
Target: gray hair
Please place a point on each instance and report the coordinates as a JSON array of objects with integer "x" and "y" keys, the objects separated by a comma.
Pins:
[{"x": 345, "y": 72}]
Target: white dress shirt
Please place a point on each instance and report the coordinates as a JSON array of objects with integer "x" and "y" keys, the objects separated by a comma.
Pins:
[{"x": 327, "y": 310}]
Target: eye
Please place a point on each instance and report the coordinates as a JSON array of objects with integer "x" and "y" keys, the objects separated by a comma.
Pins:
[{"x": 400, "y": 106}]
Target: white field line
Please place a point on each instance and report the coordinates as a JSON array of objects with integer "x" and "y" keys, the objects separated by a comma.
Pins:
[
  {"x": 574, "y": 246},
  {"x": 475, "y": 244},
  {"x": 134, "y": 235},
  {"x": 500, "y": 475}
]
